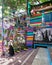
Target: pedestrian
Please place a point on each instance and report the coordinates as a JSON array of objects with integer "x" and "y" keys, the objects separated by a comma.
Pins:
[
  {"x": 11, "y": 50},
  {"x": 46, "y": 36}
]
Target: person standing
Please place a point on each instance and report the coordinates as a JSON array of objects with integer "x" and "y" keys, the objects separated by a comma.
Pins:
[{"x": 11, "y": 50}]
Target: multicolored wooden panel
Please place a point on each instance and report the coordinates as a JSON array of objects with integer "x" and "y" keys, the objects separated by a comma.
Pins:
[
  {"x": 49, "y": 23},
  {"x": 36, "y": 24},
  {"x": 30, "y": 42},
  {"x": 29, "y": 45},
  {"x": 37, "y": 21},
  {"x": 29, "y": 37},
  {"x": 29, "y": 33},
  {"x": 48, "y": 17}
]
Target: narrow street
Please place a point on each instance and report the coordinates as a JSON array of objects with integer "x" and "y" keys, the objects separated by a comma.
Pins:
[
  {"x": 39, "y": 56},
  {"x": 20, "y": 58}
]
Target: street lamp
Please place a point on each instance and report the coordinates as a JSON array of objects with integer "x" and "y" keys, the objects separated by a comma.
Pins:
[{"x": 2, "y": 31}]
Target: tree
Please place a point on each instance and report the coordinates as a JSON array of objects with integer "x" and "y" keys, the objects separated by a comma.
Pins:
[{"x": 15, "y": 4}]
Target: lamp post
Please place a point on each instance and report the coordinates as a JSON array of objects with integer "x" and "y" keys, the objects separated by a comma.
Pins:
[{"x": 2, "y": 30}]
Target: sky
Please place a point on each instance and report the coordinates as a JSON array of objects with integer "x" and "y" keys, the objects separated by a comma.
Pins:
[{"x": 0, "y": 11}]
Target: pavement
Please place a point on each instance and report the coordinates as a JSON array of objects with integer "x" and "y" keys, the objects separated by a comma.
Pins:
[
  {"x": 50, "y": 52},
  {"x": 37, "y": 56},
  {"x": 41, "y": 57}
]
